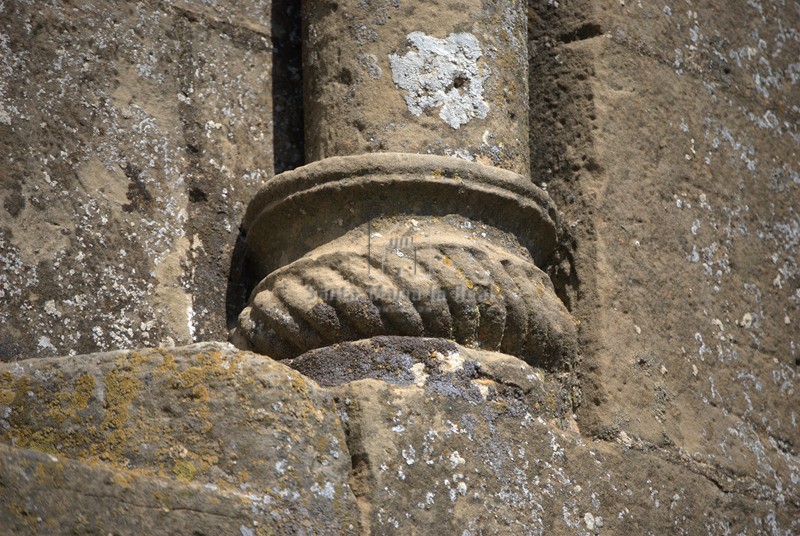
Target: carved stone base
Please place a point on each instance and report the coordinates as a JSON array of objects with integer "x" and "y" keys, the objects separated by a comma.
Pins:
[{"x": 414, "y": 265}]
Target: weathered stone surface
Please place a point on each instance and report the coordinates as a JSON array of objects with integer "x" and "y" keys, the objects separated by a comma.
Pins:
[
  {"x": 433, "y": 457},
  {"x": 669, "y": 139},
  {"x": 458, "y": 287},
  {"x": 131, "y": 137},
  {"x": 474, "y": 244},
  {"x": 438, "y": 364},
  {"x": 307, "y": 207},
  {"x": 425, "y": 433},
  {"x": 45, "y": 494},
  {"x": 231, "y": 422},
  {"x": 666, "y": 132}
]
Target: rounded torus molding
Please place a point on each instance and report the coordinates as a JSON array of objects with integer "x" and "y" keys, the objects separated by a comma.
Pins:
[
  {"x": 401, "y": 244},
  {"x": 302, "y": 209}
]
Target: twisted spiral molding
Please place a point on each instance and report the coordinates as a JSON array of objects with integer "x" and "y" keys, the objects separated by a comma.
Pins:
[{"x": 479, "y": 296}]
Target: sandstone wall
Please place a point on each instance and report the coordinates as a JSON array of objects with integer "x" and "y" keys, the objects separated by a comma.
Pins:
[
  {"x": 132, "y": 137},
  {"x": 669, "y": 137}
]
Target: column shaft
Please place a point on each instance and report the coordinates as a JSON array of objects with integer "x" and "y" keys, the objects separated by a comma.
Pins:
[{"x": 435, "y": 77}]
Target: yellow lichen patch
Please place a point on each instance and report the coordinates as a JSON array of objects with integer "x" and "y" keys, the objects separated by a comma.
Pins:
[
  {"x": 195, "y": 378},
  {"x": 33, "y": 417},
  {"x": 7, "y": 396},
  {"x": 469, "y": 283},
  {"x": 209, "y": 460},
  {"x": 84, "y": 390},
  {"x": 6, "y": 379},
  {"x": 22, "y": 387},
  {"x": 500, "y": 405},
  {"x": 121, "y": 479},
  {"x": 447, "y": 262},
  {"x": 214, "y": 358},
  {"x": 42, "y": 474},
  {"x": 191, "y": 377},
  {"x": 134, "y": 359},
  {"x": 49, "y": 474},
  {"x": 121, "y": 388},
  {"x": 184, "y": 470},
  {"x": 43, "y": 440},
  {"x": 300, "y": 385},
  {"x": 200, "y": 393},
  {"x": 169, "y": 362}
]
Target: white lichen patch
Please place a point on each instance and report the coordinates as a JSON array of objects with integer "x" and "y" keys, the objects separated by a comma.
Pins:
[
  {"x": 456, "y": 459},
  {"x": 452, "y": 362},
  {"x": 326, "y": 491},
  {"x": 443, "y": 73},
  {"x": 418, "y": 370},
  {"x": 370, "y": 64}
]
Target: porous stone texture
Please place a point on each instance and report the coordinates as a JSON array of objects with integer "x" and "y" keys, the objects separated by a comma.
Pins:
[
  {"x": 132, "y": 136},
  {"x": 261, "y": 442},
  {"x": 434, "y": 457},
  {"x": 436, "y": 363},
  {"x": 45, "y": 494},
  {"x": 433, "y": 77},
  {"x": 419, "y": 433},
  {"x": 668, "y": 135}
]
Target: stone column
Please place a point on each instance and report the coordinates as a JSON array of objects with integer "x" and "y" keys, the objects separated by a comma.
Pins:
[
  {"x": 414, "y": 220},
  {"x": 435, "y": 77}
]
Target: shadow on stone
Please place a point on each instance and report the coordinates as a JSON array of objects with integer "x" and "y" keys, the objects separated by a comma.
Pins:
[
  {"x": 287, "y": 135},
  {"x": 287, "y": 86},
  {"x": 240, "y": 283}
]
